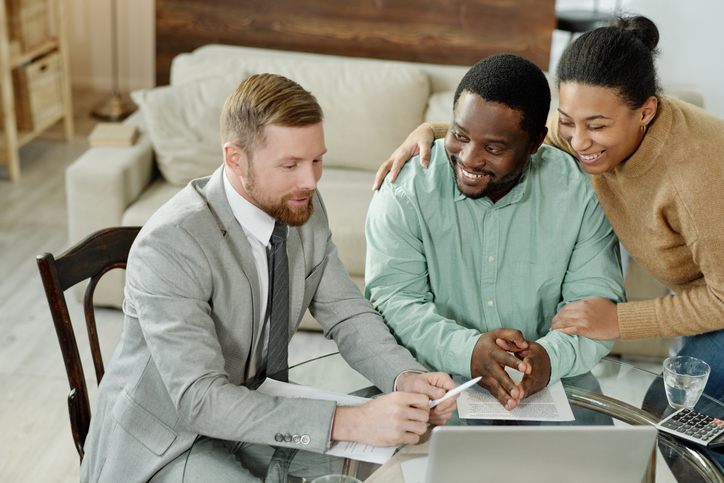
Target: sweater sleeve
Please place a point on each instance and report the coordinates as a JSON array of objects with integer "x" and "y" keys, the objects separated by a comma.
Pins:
[
  {"x": 698, "y": 306},
  {"x": 439, "y": 129},
  {"x": 690, "y": 205}
]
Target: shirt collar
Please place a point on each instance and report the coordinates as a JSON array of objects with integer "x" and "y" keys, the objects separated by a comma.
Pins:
[
  {"x": 513, "y": 196},
  {"x": 251, "y": 218}
]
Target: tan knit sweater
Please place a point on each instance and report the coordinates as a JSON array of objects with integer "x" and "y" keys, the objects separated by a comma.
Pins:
[{"x": 666, "y": 205}]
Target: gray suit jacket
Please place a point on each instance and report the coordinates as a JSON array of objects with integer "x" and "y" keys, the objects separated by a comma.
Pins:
[{"x": 192, "y": 301}]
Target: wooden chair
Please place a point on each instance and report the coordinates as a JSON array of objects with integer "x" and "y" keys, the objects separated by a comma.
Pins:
[{"x": 90, "y": 259}]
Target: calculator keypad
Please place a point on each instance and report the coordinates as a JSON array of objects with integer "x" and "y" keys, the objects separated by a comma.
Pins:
[{"x": 696, "y": 427}]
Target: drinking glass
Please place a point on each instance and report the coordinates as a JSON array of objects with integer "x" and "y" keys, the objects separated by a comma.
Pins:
[
  {"x": 684, "y": 378},
  {"x": 336, "y": 479}
]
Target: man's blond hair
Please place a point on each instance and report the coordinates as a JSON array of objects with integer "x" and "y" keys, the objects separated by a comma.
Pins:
[{"x": 262, "y": 100}]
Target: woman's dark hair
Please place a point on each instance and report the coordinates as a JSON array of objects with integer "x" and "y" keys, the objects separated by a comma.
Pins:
[{"x": 620, "y": 56}]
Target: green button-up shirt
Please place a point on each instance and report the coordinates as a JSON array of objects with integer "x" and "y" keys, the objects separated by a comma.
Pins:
[{"x": 443, "y": 268}]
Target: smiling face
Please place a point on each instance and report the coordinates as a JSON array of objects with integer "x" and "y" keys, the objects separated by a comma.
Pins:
[
  {"x": 283, "y": 174},
  {"x": 486, "y": 147},
  {"x": 600, "y": 127}
]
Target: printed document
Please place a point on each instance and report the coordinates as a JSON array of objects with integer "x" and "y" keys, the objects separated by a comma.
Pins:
[
  {"x": 550, "y": 404},
  {"x": 414, "y": 467},
  {"x": 344, "y": 449}
]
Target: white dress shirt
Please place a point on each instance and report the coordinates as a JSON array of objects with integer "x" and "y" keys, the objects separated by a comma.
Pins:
[{"x": 258, "y": 227}]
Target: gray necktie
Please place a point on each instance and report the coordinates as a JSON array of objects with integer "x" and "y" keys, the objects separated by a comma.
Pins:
[{"x": 278, "y": 304}]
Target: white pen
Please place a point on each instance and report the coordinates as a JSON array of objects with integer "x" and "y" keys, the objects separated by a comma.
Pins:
[{"x": 453, "y": 392}]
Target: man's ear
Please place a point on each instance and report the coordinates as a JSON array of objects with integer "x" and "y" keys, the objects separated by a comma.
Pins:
[
  {"x": 235, "y": 159},
  {"x": 536, "y": 143}
]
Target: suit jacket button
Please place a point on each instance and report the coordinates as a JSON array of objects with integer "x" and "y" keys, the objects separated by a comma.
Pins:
[
  {"x": 304, "y": 439},
  {"x": 279, "y": 437},
  {"x": 287, "y": 438},
  {"x": 296, "y": 438}
]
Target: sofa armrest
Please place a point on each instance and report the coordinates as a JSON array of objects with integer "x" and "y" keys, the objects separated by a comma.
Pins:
[{"x": 104, "y": 181}]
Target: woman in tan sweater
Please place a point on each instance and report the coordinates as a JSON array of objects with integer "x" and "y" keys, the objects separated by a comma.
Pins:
[{"x": 657, "y": 166}]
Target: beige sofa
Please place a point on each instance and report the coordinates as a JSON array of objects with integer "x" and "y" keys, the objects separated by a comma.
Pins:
[{"x": 370, "y": 106}]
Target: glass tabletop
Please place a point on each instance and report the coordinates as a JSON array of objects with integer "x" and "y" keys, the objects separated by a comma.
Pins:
[{"x": 613, "y": 393}]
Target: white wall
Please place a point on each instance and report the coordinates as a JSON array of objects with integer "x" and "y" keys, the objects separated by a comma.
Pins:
[{"x": 691, "y": 42}]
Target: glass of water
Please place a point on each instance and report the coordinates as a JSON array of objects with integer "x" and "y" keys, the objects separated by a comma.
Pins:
[
  {"x": 684, "y": 378},
  {"x": 336, "y": 479}
]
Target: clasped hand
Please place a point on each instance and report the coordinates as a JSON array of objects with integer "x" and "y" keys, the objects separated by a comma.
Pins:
[
  {"x": 400, "y": 417},
  {"x": 507, "y": 347}
]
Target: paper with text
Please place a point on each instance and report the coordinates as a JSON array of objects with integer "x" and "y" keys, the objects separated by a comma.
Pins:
[
  {"x": 414, "y": 467},
  {"x": 343, "y": 449},
  {"x": 550, "y": 404}
]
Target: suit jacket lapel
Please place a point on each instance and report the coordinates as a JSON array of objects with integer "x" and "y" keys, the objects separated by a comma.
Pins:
[{"x": 234, "y": 234}]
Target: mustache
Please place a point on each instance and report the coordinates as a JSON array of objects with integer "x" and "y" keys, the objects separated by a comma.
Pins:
[
  {"x": 457, "y": 161},
  {"x": 297, "y": 195}
]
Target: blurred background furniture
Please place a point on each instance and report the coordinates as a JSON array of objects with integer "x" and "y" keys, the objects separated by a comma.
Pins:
[
  {"x": 89, "y": 259},
  {"x": 34, "y": 74},
  {"x": 116, "y": 107},
  {"x": 576, "y": 21}
]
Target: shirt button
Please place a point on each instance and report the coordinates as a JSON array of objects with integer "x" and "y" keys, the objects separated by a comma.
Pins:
[
  {"x": 305, "y": 439},
  {"x": 279, "y": 437},
  {"x": 296, "y": 438},
  {"x": 492, "y": 210},
  {"x": 490, "y": 259},
  {"x": 288, "y": 438},
  {"x": 490, "y": 303}
]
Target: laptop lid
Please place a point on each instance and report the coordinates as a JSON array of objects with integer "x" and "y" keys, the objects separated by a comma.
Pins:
[{"x": 541, "y": 454}]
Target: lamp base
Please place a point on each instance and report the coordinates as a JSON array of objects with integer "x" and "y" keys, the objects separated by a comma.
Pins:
[{"x": 114, "y": 109}]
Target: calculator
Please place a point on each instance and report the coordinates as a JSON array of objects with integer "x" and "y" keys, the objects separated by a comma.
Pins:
[{"x": 695, "y": 427}]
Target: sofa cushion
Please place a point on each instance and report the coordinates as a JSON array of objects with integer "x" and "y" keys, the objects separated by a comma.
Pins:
[
  {"x": 155, "y": 196},
  {"x": 440, "y": 107},
  {"x": 347, "y": 195},
  {"x": 369, "y": 106},
  {"x": 183, "y": 123},
  {"x": 367, "y": 114}
]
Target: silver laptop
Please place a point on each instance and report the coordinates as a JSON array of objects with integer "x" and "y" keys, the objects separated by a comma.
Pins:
[{"x": 540, "y": 454}]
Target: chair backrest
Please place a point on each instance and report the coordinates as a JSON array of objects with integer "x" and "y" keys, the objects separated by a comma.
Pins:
[{"x": 90, "y": 259}]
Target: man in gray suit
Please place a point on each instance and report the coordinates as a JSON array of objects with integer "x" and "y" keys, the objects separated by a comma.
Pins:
[{"x": 197, "y": 325}]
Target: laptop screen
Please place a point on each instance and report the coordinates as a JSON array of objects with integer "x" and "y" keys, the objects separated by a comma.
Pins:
[{"x": 540, "y": 454}]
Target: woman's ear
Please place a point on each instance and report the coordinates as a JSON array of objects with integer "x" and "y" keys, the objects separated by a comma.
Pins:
[{"x": 648, "y": 110}]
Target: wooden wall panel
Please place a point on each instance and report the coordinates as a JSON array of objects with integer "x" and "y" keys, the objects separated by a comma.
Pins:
[{"x": 457, "y": 32}]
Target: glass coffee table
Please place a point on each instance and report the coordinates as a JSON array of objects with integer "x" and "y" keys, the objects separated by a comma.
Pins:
[{"x": 612, "y": 393}]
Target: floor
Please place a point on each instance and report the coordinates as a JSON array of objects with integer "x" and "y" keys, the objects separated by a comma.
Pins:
[{"x": 36, "y": 445}]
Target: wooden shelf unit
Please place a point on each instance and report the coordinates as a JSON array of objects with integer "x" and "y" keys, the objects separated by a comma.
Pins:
[{"x": 9, "y": 60}]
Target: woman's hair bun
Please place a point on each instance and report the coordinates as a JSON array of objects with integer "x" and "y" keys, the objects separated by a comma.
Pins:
[{"x": 641, "y": 27}]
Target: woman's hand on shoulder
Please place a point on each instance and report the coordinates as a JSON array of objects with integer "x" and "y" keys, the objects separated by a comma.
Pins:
[
  {"x": 418, "y": 142},
  {"x": 595, "y": 318}
]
